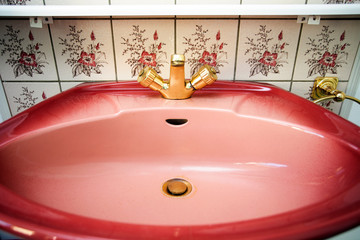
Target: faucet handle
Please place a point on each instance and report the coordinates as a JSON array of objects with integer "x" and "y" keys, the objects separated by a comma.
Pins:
[
  {"x": 205, "y": 76},
  {"x": 148, "y": 77}
]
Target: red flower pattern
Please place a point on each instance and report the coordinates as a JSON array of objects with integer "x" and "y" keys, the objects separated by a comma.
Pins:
[
  {"x": 27, "y": 59},
  {"x": 156, "y": 37},
  {"x": 328, "y": 59},
  {"x": 87, "y": 59},
  {"x": 342, "y": 37},
  {"x": 218, "y": 36},
  {"x": 269, "y": 58},
  {"x": 92, "y": 36},
  {"x": 31, "y": 37},
  {"x": 208, "y": 58},
  {"x": 148, "y": 59},
  {"x": 280, "y": 36}
]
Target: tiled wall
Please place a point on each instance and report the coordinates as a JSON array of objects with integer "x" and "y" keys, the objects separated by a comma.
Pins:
[{"x": 37, "y": 63}]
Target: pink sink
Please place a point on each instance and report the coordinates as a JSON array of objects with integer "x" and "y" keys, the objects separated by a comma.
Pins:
[{"x": 262, "y": 163}]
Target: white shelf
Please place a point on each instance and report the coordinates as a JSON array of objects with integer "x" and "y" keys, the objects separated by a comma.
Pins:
[{"x": 179, "y": 10}]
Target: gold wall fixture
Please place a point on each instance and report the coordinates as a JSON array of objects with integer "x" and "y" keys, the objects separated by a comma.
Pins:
[
  {"x": 177, "y": 87},
  {"x": 325, "y": 89}
]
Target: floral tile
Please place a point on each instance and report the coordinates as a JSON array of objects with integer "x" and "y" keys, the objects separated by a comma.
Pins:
[
  {"x": 77, "y": 2},
  {"x": 23, "y": 95},
  {"x": 267, "y": 49},
  {"x": 84, "y": 49},
  {"x": 333, "y": 1},
  {"x": 304, "y": 89},
  {"x": 21, "y": 2},
  {"x": 328, "y": 49},
  {"x": 141, "y": 43},
  {"x": 273, "y": 2},
  {"x": 26, "y": 53},
  {"x": 211, "y": 42}
]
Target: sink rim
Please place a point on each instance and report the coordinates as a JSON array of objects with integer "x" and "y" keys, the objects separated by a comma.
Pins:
[
  {"x": 312, "y": 221},
  {"x": 52, "y": 221}
]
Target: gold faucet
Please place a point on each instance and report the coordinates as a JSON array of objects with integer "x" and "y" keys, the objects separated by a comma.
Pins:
[{"x": 177, "y": 87}]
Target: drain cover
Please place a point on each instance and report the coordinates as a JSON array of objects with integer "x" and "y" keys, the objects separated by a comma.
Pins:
[{"x": 176, "y": 187}]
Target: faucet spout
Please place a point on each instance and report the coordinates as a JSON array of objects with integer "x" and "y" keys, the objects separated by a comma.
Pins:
[{"x": 177, "y": 87}]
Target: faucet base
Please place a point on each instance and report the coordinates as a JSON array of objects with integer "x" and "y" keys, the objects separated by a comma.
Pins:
[{"x": 177, "y": 87}]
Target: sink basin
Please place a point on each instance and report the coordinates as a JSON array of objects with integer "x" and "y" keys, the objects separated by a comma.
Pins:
[{"x": 258, "y": 162}]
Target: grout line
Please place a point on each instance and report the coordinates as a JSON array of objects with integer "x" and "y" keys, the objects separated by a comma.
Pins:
[
  {"x": 207, "y": 18},
  {"x": 6, "y": 96},
  {"x": 178, "y": 17},
  {"x": 113, "y": 47},
  {"x": 296, "y": 56},
  {"x": 62, "y": 81},
  {"x": 56, "y": 81},
  {"x": 54, "y": 56},
  {"x": 343, "y": 81},
  {"x": 31, "y": 81},
  {"x": 236, "y": 48},
  {"x": 175, "y": 35}
]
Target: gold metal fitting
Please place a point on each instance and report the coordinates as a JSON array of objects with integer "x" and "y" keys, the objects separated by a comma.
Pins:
[
  {"x": 177, "y": 60},
  {"x": 177, "y": 87},
  {"x": 149, "y": 78},
  {"x": 205, "y": 76},
  {"x": 176, "y": 187},
  {"x": 325, "y": 89},
  {"x": 323, "y": 86}
]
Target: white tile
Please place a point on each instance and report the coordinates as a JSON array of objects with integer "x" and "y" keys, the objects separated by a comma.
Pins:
[
  {"x": 67, "y": 85},
  {"x": 284, "y": 85},
  {"x": 273, "y": 1},
  {"x": 26, "y": 53},
  {"x": 180, "y": 2},
  {"x": 316, "y": 1},
  {"x": 211, "y": 42},
  {"x": 84, "y": 49},
  {"x": 23, "y": 95},
  {"x": 21, "y": 2},
  {"x": 139, "y": 2},
  {"x": 327, "y": 49},
  {"x": 4, "y": 109},
  {"x": 304, "y": 89},
  {"x": 333, "y": 1},
  {"x": 141, "y": 43},
  {"x": 77, "y": 2},
  {"x": 267, "y": 49}
]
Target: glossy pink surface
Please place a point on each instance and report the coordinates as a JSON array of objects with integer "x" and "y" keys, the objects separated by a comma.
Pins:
[{"x": 263, "y": 163}]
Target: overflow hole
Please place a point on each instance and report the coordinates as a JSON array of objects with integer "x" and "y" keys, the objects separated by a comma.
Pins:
[{"x": 176, "y": 121}]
